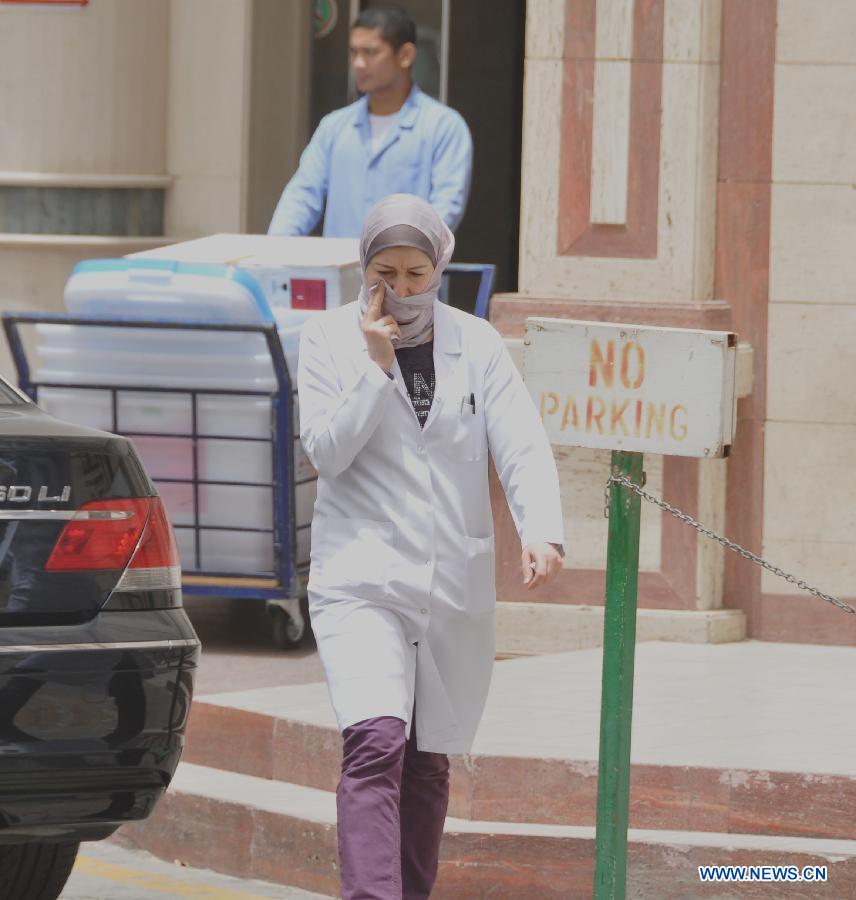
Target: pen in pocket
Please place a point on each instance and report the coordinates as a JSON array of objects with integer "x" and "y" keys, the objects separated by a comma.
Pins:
[{"x": 469, "y": 401}]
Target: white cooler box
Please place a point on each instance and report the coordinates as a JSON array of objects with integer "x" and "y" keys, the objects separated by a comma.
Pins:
[
  {"x": 292, "y": 273},
  {"x": 160, "y": 288}
]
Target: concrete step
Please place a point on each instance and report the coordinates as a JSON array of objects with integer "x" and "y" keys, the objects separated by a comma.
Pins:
[
  {"x": 253, "y": 827},
  {"x": 304, "y": 748},
  {"x": 526, "y": 629}
]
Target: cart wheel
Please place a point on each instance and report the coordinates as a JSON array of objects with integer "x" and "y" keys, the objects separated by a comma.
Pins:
[{"x": 288, "y": 631}]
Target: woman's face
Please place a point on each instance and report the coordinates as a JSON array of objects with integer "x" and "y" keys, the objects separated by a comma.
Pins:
[{"x": 405, "y": 269}]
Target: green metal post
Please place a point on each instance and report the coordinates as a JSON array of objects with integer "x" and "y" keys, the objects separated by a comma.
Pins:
[{"x": 616, "y": 709}]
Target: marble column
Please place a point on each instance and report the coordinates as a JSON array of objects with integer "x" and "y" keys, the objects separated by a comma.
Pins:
[{"x": 618, "y": 223}]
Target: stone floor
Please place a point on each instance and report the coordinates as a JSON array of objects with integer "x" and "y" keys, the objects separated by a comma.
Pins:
[
  {"x": 238, "y": 652},
  {"x": 106, "y": 871},
  {"x": 754, "y": 705}
]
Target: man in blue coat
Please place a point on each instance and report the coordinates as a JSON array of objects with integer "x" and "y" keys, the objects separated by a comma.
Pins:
[{"x": 394, "y": 139}]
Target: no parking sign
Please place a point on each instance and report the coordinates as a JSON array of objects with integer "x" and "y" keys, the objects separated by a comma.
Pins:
[{"x": 633, "y": 387}]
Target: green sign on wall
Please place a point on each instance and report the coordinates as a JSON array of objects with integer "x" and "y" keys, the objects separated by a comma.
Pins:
[{"x": 325, "y": 14}]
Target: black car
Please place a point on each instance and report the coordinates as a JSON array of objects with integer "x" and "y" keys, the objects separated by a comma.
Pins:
[{"x": 97, "y": 656}]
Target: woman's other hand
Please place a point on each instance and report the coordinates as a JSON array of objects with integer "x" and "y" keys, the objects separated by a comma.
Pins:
[
  {"x": 378, "y": 330},
  {"x": 541, "y": 563}
]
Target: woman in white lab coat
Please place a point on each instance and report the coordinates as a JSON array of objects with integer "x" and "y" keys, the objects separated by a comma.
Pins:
[{"x": 401, "y": 399}]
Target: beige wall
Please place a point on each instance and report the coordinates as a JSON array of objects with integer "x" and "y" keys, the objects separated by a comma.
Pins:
[
  {"x": 205, "y": 98},
  {"x": 211, "y": 95},
  {"x": 206, "y": 127},
  {"x": 237, "y": 110},
  {"x": 83, "y": 95},
  {"x": 83, "y": 90},
  {"x": 211, "y": 92},
  {"x": 681, "y": 269},
  {"x": 683, "y": 266},
  {"x": 278, "y": 102},
  {"x": 810, "y": 476}
]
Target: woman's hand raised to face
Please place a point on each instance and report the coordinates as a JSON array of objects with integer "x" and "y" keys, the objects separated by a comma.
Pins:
[{"x": 378, "y": 330}]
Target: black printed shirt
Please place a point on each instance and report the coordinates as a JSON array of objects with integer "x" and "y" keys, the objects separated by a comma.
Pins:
[{"x": 417, "y": 369}]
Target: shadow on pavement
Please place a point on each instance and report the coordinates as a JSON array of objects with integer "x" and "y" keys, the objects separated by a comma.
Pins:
[{"x": 238, "y": 652}]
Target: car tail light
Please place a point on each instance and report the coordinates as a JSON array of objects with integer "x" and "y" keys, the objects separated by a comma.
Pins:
[
  {"x": 133, "y": 535},
  {"x": 102, "y": 535},
  {"x": 308, "y": 293},
  {"x": 155, "y": 564}
]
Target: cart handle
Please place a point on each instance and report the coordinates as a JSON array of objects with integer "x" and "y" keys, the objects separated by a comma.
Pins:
[{"x": 488, "y": 273}]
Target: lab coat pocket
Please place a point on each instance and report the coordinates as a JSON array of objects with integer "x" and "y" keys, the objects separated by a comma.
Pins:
[
  {"x": 350, "y": 555},
  {"x": 481, "y": 575},
  {"x": 465, "y": 437}
]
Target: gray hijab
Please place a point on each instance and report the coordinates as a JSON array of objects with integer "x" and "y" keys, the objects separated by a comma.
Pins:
[{"x": 404, "y": 220}]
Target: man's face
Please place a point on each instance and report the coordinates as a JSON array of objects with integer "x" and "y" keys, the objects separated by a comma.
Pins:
[{"x": 376, "y": 65}]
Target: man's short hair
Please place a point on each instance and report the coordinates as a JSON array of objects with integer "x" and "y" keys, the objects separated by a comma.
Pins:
[{"x": 396, "y": 25}]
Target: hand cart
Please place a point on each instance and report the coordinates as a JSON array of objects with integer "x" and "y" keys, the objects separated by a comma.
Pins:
[{"x": 282, "y": 583}]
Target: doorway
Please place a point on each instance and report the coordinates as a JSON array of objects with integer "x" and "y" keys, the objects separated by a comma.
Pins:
[{"x": 470, "y": 55}]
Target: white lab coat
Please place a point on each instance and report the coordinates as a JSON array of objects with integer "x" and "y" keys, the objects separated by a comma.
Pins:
[{"x": 402, "y": 581}]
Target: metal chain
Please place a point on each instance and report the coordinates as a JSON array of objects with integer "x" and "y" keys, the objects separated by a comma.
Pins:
[{"x": 729, "y": 545}]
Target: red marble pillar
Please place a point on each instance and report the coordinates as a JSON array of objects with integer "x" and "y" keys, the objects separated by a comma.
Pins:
[
  {"x": 743, "y": 266},
  {"x": 675, "y": 585}
]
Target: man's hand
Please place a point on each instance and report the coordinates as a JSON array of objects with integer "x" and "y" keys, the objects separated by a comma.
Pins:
[
  {"x": 541, "y": 563},
  {"x": 378, "y": 330}
]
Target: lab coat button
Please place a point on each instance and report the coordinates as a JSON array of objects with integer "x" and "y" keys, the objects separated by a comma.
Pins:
[
  {"x": 423, "y": 611},
  {"x": 420, "y": 449}
]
